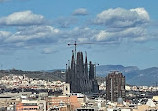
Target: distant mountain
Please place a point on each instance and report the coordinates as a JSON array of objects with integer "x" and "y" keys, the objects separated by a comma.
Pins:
[
  {"x": 133, "y": 74},
  {"x": 105, "y": 69},
  {"x": 147, "y": 76}
]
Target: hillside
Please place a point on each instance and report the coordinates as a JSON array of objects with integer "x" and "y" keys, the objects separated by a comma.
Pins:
[
  {"x": 52, "y": 76},
  {"x": 133, "y": 74}
]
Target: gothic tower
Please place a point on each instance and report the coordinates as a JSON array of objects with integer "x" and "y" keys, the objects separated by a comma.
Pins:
[{"x": 79, "y": 75}]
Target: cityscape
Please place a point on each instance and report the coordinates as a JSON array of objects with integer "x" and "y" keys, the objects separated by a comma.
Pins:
[
  {"x": 78, "y": 55},
  {"x": 80, "y": 91}
]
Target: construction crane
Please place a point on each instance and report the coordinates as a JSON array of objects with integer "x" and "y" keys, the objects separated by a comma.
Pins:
[
  {"x": 100, "y": 42},
  {"x": 75, "y": 44},
  {"x": 75, "y": 47}
]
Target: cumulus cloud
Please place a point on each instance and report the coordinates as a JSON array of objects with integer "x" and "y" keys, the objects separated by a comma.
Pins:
[
  {"x": 128, "y": 33},
  {"x": 120, "y": 24},
  {"x": 80, "y": 11},
  {"x": 117, "y": 25},
  {"x": 80, "y": 34},
  {"x": 29, "y": 37},
  {"x": 29, "y": 30},
  {"x": 120, "y": 17},
  {"x": 24, "y": 18},
  {"x": 32, "y": 33}
]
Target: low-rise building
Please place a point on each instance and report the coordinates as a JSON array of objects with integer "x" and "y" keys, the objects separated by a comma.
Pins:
[
  {"x": 33, "y": 105},
  {"x": 71, "y": 102}
]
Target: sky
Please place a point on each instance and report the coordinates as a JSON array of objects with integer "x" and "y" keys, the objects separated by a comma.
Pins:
[{"x": 34, "y": 33}]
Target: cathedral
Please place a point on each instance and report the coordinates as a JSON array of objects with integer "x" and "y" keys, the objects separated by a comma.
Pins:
[{"x": 81, "y": 75}]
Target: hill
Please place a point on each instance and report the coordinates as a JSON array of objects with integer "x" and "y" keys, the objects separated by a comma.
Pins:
[
  {"x": 133, "y": 74},
  {"x": 44, "y": 75}
]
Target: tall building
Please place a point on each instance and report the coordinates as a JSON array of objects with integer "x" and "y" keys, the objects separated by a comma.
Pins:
[
  {"x": 80, "y": 75},
  {"x": 115, "y": 86}
]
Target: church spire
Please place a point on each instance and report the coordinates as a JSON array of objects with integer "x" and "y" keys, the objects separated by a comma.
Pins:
[
  {"x": 72, "y": 60},
  {"x": 86, "y": 58}
]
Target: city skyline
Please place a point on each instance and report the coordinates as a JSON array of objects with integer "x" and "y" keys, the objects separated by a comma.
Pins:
[{"x": 34, "y": 34}]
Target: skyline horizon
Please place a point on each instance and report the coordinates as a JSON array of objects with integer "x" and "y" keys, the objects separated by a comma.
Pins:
[
  {"x": 35, "y": 36},
  {"x": 64, "y": 68}
]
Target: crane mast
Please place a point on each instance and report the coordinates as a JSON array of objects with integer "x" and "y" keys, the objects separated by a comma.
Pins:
[{"x": 75, "y": 44}]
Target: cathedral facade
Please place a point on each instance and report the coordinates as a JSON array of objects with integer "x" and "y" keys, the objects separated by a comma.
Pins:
[{"x": 81, "y": 75}]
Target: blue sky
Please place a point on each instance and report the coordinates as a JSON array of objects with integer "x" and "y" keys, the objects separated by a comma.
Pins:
[{"x": 34, "y": 33}]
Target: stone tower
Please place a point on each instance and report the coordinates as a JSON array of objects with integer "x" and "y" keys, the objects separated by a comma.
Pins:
[{"x": 80, "y": 76}]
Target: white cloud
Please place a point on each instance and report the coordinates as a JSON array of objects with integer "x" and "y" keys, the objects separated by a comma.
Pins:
[
  {"x": 143, "y": 14},
  {"x": 132, "y": 34},
  {"x": 102, "y": 35},
  {"x": 80, "y": 11},
  {"x": 117, "y": 25},
  {"x": 81, "y": 34},
  {"x": 120, "y": 24},
  {"x": 22, "y": 18},
  {"x": 48, "y": 51},
  {"x": 140, "y": 39},
  {"x": 122, "y": 18},
  {"x": 83, "y": 39},
  {"x": 36, "y": 33},
  {"x": 4, "y": 34},
  {"x": 29, "y": 37}
]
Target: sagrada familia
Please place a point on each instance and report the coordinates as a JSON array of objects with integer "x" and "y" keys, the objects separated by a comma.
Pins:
[{"x": 81, "y": 75}]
